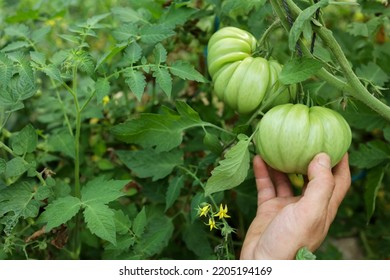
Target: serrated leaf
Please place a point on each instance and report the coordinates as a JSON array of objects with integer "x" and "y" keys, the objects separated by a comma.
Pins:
[
  {"x": 160, "y": 131},
  {"x": 38, "y": 35},
  {"x": 373, "y": 73},
  {"x": 24, "y": 141},
  {"x": 140, "y": 162},
  {"x": 231, "y": 171},
  {"x": 3, "y": 165},
  {"x": 140, "y": 223},
  {"x": 133, "y": 53},
  {"x": 125, "y": 32},
  {"x": 151, "y": 34},
  {"x": 110, "y": 54},
  {"x": 122, "y": 222},
  {"x": 60, "y": 211},
  {"x": 19, "y": 30},
  {"x": 363, "y": 117},
  {"x": 213, "y": 143},
  {"x": 17, "y": 45},
  {"x": 16, "y": 167},
  {"x": 6, "y": 69},
  {"x": 102, "y": 89},
  {"x": 176, "y": 15},
  {"x": 62, "y": 142},
  {"x": 156, "y": 236},
  {"x": 303, "y": 18},
  {"x": 299, "y": 69},
  {"x": 38, "y": 57},
  {"x": 163, "y": 79},
  {"x": 372, "y": 185},
  {"x": 305, "y": 254},
  {"x": 136, "y": 81},
  {"x": 196, "y": 240},
  {"x": 370, "y": 154},
  {"x": 100, "y": 190},
  {"x": 17, "y": 201},
  {"x": 173, "y": 191},
  {"x": 160, "y": 54},
  {"x": 53, "y": 72},
  {"x": 99, "y": 220},
  {"x": 186, "y": 71},
  {"x": 126, "y": 14},
  {"x": 93, "y": 21}
]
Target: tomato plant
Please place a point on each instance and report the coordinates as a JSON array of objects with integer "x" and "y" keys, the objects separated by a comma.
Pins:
[{"x": 127, "y": 128}]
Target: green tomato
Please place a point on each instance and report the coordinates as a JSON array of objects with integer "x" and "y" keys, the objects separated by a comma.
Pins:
[
  {"x": 289, "y": 136},
  {"x": 242, "y": 85},
  {"x": 240, "y": 80},
  {"x": 229, "y": 44}
]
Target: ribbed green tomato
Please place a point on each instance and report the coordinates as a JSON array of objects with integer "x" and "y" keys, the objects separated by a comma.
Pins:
[
  {"x": 240, "y": 80},
  {"x": 289, "y": 136},
  {"x": 227, "y": 45}
]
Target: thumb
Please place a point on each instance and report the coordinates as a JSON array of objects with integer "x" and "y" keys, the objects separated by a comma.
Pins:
[{"x": 321, "y": 182}]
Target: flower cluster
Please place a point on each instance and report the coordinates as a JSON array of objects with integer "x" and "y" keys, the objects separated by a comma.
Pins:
[{"x": 216, "y": 218}]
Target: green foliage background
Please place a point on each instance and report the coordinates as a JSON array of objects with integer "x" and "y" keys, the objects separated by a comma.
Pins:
[{"x": 109, "y": 130}]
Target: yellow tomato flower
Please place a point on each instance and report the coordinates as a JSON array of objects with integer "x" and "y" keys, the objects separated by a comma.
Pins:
[
  {"x": 204, "y": 210},
  {"x": 211, "y": 224},
  {"x": 222, "y": 212},
  {"x": 105, "y": 100}
]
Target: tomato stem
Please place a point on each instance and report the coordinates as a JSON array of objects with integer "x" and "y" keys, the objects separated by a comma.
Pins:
[{"x": 354, "y": 86}]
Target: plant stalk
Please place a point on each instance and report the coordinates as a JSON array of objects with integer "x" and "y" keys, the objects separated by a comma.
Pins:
[{"x": 354, "y": 87}]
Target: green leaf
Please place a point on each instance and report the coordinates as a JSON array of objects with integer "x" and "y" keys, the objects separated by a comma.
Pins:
[
  {"x": 196, "y": 240},
  {"x": 373, "y": 73},
  {"x": 186, "y": 71},
  {"x": 370, "y": 154},
  {"x": 363, "y": 117},
  {"x": 100, "y": 221},
  {"x": 156, "y": 236},
  {"x": 102, "y": 89},
  {"x": 38, "y": 57},
  {"x": 3, "y": 165},
  {"x": 299, "y": 69},
  {"x": 133, "y": 53},
  {"x": 149, "y": 163},
  {"x": 231, "y": 171},
  {"x": 60, "y": 211},
  {"x": 18, "y": 30},
  {"x": 62, "y": 142},
  {"x": 176, "y": 15},
  {"x": 160, "y": 131},
  {"x": 15, "y": 46},
  {"x": 126, "y": 14},
  {"x": 140, "y": 223},
  {"x": 24, "y": 141},
  {"x": 304, "y": 254},
  {"x": 18, "y": 201},
  {"x": 160, "y": 54},
  {"x": 173, "y": 191},
  {"x": 110, "y": 53},
  {"x": 213, "y": 143},
  {"x": 52, "y": 72},
  {"x": 152, "y": 34},
  {"x": 122, "y": 222},
  {"x": 125, "y": 32},
  {"x": 39, "y": 34},
  {"x": 100, "y": 190},
  {"x": 372, "y": 185},
  {"x": 301, "y": 20},
  {"x": 16, "y": 167},
  {"x": 163, "y": 79},
  {"x": 136, "y": 82},
  {"x": 6, "y": 69}
]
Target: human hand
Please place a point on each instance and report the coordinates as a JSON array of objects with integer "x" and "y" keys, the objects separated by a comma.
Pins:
[{"x": 285, "y": 223}]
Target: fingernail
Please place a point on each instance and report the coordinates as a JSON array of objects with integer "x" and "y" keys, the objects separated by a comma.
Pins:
[{"x": 324, "y": 160}]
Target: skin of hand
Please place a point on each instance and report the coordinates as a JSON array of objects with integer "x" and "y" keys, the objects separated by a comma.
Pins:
[{"x": 284, "y": 223}]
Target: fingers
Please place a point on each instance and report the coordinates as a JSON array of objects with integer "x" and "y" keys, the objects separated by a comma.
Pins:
[
  {"x": 265, "y": 187},
  {"x": 342, "y": 176},
  {"x": 270, "y": 183}
]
